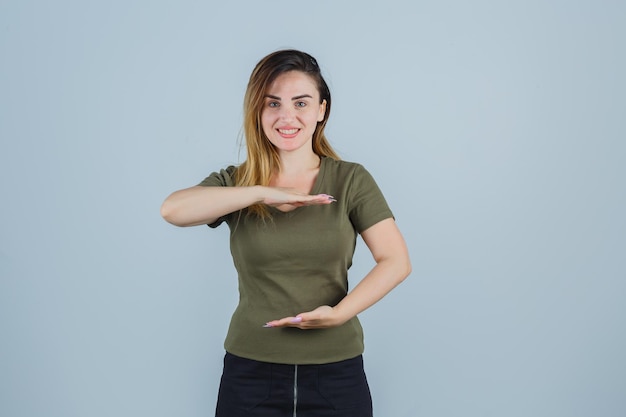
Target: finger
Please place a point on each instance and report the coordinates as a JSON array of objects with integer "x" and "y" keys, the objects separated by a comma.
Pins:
[
  {"x": 301, "y": 200},
  {"x": 321, "y": 199},
  {"x": 326, "y": 197},
  {"x": 284, "y": 322}
]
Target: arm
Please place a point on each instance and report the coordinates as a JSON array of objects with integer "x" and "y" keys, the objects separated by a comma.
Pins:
[
  {"x": 389, "y": 250},
  {"x": 204, "y": 205}
]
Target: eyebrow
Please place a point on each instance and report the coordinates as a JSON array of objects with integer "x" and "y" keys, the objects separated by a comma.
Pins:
[{"x": 293, "y": 98}]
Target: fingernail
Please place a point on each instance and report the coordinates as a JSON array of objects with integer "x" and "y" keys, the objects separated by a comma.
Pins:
[
  {"x": 267, "y": 325},
  {"x": 297, "y": 320}
]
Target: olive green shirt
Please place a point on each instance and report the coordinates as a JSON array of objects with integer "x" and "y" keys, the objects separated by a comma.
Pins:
[{"x": 296, "y": 262}]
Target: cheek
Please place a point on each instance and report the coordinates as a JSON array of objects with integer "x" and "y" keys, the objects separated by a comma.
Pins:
[
  {"x": 266, "y": 123},
  {"x": 314, "y": 119}
]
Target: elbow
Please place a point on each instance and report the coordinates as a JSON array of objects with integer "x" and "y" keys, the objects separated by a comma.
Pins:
[
  {"x": 169, "y": 213},
  {"x": 398, "y": 267},
  {"x": 405, "y": 268},
  {"x": 179, "y": 214}
]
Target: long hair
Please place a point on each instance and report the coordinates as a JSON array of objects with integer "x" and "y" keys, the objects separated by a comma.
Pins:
[{"x": 262, "y": 159}]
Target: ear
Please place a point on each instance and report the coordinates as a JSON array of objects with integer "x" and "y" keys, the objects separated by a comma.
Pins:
[{"x": 322, "y": 112}]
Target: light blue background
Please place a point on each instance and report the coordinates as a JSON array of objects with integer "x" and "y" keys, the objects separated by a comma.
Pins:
[{"x": 495, "y": 129}]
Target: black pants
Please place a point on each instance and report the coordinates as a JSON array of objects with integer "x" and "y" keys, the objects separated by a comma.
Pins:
[{"x": 259, "y": 389}]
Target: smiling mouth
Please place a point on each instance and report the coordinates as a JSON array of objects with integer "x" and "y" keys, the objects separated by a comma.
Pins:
[{"x": 288, "y": 131}]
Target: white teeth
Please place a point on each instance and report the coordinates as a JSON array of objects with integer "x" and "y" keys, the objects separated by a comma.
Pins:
[{"x": 287, "y": 131}]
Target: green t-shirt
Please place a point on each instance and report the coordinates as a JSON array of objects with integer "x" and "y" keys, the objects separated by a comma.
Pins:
[{"x": 296, "y": 262}]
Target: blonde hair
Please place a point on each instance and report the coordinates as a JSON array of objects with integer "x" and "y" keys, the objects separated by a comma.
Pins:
[{"x": 262, "y": 159}]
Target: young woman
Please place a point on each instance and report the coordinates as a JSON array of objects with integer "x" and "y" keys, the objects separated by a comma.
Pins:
[{"x": 294, "y": 210}]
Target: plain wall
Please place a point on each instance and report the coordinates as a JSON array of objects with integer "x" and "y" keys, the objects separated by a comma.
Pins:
[{"x": 495, "y": 129}]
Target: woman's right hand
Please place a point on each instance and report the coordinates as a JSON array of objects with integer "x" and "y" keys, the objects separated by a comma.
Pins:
[
  {"x": 276, "y": 197},
  {"x": 203, "y": 205}
]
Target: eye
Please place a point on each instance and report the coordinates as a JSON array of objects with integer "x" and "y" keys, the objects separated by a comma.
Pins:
[
  {"x": 273, "y": 104},
  {"x": 300, "y": 103}
]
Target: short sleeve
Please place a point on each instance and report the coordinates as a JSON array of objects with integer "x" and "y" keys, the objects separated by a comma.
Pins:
[
  {"x": 367, "y": 203},
  {"x": 223, "y": 178}
]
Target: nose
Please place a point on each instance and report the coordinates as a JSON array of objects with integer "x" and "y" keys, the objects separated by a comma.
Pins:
[{"x": 287, "y": 113}]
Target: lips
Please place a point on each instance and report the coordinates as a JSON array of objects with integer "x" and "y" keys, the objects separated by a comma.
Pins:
[{"x": 288, "y": 132}]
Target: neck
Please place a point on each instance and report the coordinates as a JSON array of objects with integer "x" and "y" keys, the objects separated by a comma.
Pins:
[{"x": 294, "y": 163}]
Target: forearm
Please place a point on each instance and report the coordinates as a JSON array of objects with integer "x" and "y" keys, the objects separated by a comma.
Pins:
[
  {"x": 392, "y": 266},
  {"x": 384, "y": 277},
  {"x": 203, "y": 205}
]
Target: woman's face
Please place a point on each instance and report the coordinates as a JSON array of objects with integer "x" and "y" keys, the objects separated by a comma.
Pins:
[{"x": 291, "y": 111}]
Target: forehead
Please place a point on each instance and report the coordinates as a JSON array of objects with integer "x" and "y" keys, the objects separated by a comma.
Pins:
[{"x": 293, "y": 82}]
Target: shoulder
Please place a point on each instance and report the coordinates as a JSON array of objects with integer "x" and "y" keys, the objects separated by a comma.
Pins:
[
  {"x": 224, "y": 177},
  {"x": 352, "y": 174},
  {"x": 344, "y": 168}
]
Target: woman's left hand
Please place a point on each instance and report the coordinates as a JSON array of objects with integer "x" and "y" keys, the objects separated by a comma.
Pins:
[{"x": 320, "y": 318}]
